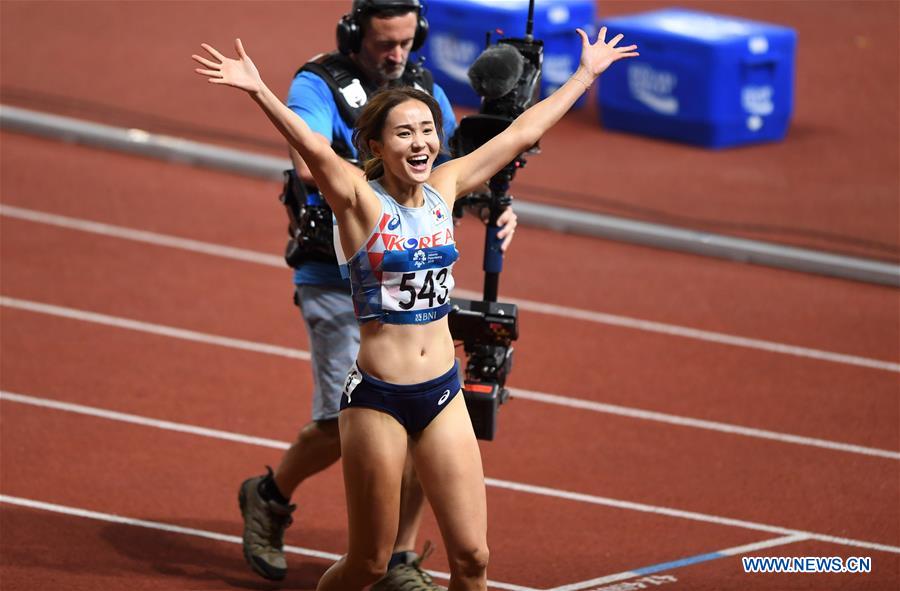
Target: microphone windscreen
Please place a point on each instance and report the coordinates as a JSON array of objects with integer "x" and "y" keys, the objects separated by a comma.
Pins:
[{"x": 496, "y": 71}]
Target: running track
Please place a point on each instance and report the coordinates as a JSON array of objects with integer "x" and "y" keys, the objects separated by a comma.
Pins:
[{"x": 672, "y": 413}]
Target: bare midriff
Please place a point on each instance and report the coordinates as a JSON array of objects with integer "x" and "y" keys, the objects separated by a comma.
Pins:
[{"x": 405, "y": 353}]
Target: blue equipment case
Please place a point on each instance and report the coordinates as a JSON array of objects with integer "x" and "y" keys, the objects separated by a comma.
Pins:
[
  {"x": 701, "y": 78},
  {"x": 456, "y": 37}
]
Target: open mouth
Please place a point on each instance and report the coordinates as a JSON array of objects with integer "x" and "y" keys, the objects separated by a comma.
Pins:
[{"x": 418, "y": 163}]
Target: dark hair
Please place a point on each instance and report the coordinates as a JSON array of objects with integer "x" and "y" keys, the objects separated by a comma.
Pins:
[
  {"x": 367, "y": 15},
  {"x": 352, "y": 26},
  {"x": 364, "y": 10},
  {"x": 370, "y": 124}
]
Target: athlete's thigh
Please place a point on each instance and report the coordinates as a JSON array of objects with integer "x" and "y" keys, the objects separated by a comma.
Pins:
[
  {"x": 373, "y": 448},
  {"x": 448, "y": 463}
]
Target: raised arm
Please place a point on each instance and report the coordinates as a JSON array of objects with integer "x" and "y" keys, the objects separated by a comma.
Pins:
[
  {"x": 336, "y": 178},
  {"x": 469, "y": 172}
]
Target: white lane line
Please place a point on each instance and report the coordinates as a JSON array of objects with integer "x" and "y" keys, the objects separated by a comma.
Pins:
[
  {"x": 189, "y": 531},
  {"x": 528, "y": 305},
  {"x": 702, "y": 335},
  {"x": 624, "y": 411},
  {"x": 143, "y": 421},
  {"x": 157, "y": 525},
  {"x": 648, "y": 415},
  {"x": 691, "y": 515},
  {"x": 668, "y": 566},
  {"x": 763, "y": 545},
  {"x": 156, "y": 329},
  {"x": 491, "y": 482},
  {"x": 144, "y": 236}
]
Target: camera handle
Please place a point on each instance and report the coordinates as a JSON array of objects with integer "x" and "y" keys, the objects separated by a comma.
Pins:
[{"x": 493, "y": 255}]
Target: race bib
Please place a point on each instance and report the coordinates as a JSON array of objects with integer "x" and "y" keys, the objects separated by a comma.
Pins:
[{"x": 416, "y": 284}]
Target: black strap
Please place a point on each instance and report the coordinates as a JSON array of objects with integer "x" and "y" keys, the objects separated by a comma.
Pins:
[
  {"x": 346, "y": 82},
  {"x": 418, "y": 76},
  {"x": 293, "y": 197}
]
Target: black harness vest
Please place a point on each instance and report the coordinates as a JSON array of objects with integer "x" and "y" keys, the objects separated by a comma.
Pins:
[{"x": 351, "y": 89}]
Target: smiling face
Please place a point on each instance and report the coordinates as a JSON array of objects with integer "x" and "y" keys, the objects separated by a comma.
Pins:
[{"x": 409, "y": 143}]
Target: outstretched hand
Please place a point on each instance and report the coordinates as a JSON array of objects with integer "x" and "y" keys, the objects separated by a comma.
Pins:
[
  {"x": 596, "y": 57},
  {"x": 239, "y": 73}
]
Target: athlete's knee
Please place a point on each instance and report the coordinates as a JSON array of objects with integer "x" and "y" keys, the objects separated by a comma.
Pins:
[{"x": 470, "y": 562}]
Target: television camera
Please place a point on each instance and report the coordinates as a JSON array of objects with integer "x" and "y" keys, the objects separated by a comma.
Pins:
[{"x": 506, "y": 75}]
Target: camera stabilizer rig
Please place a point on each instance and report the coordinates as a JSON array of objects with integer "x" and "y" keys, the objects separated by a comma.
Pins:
[{"x": 506, "y": 75}]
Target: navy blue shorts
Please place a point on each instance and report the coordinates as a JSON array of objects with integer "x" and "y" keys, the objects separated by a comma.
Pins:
[{"x": 413, "y": 405}]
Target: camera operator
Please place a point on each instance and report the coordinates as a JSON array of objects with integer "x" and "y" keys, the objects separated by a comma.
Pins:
[{"x": 374, "y": 42}]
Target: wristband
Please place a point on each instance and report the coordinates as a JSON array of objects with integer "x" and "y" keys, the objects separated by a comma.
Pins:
[{"x": 585, "y": 84}]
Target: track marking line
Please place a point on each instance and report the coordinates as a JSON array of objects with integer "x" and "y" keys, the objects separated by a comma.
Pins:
[
  {"x": 143, "y": 236},
  {"x": 659, "y": 417},
  {"x": 155, "y": 329},
  {"x": 143, "y": 421},
  {"x": 701, "y": 335},
  {"x": 491, "y": 482},
  {"x": 623, "y": 411},
  {"x": 690, "y": 515},
  {"x": 156, "y": 525},
  {"x": 528, "y": 305},
  {"x": 189, "y": 531},
  {"x": 675, "y": 564}
]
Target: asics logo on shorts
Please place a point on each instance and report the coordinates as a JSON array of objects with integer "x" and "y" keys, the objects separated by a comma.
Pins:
[
  {"x": 444, "y": 397},
  {"x": 353, "y": 380}
]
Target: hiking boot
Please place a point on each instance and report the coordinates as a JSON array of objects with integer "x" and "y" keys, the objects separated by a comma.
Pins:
[
  {"x": 264, "y": 525},
  {"x": 409, "y": 576}
]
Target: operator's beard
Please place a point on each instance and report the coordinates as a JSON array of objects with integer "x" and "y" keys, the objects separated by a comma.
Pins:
[{"x": 393, "y": 78}]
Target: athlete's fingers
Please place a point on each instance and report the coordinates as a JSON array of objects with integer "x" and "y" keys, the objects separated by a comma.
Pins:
[
  {"x": 210, "y": 73},
  {"x": 239, "y": 47},
  {"x": 584, "y": 37},
  {"x": 205, "y": 62},
  {"x": 213, "y": 51}
]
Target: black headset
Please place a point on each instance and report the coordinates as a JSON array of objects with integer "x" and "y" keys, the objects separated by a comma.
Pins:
[{"x": 349, "y": 28}]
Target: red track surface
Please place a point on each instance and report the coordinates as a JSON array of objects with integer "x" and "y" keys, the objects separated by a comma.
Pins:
[{"x": 537, "y": 541}]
